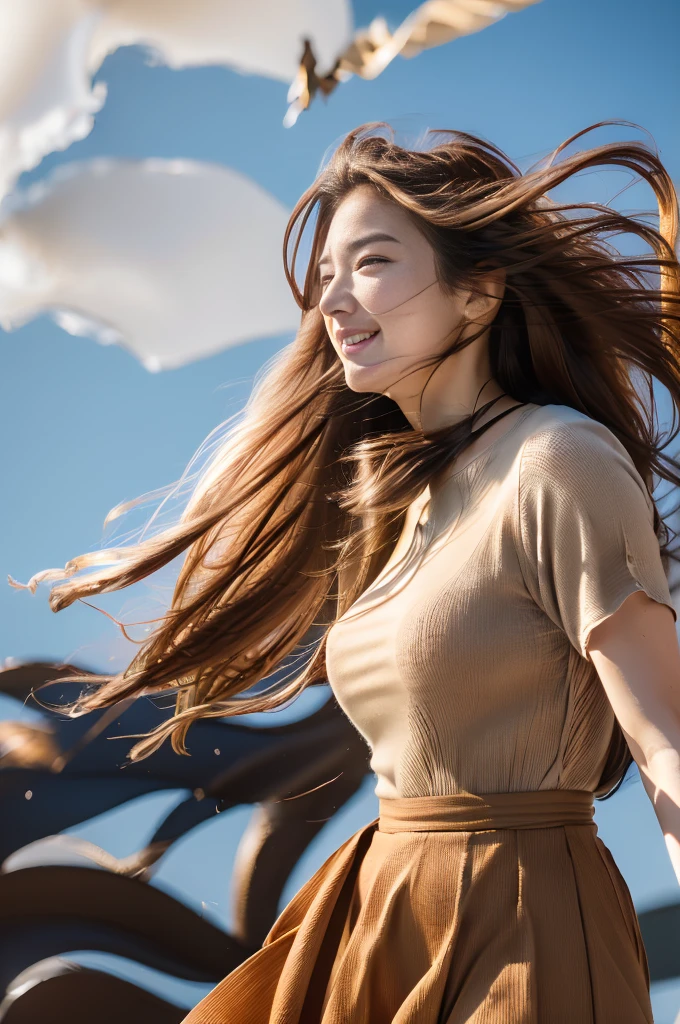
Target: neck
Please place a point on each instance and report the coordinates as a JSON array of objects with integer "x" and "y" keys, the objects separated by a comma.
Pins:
[{"x": 440, "y": 396}]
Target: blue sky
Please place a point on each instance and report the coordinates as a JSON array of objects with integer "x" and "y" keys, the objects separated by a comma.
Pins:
[{"x": 85, "y": 426}]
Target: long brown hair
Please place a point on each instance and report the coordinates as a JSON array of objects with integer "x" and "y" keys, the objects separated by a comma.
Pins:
[{"x": 302, "y": 504}]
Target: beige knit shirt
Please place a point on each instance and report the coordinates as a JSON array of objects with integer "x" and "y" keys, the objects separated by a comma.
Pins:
[{"x": 464, "y": 665}]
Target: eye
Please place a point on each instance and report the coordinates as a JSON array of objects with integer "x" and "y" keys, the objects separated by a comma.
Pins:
[{"x": 368, "y": 260}]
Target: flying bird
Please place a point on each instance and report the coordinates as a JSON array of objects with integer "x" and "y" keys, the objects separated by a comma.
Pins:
[{"x": 370, "y": 50}]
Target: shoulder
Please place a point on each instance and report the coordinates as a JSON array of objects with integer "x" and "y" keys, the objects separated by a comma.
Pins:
[
  {"x": 560, "y": 432},
  {"x": 561, "y": 438},
  {"x": 566, "y": 450}
]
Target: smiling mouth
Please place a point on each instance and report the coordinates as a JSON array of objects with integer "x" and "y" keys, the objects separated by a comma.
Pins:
[{"x": 357, "y": 346}]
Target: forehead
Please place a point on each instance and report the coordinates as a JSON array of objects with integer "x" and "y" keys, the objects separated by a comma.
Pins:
[{"x": 365, "y": 213}]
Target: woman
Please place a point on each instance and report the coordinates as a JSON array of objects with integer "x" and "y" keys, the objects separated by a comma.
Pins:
[{"x": 449, "y": 473}]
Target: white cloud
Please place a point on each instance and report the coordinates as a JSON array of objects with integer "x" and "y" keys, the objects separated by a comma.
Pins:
[{"x": 174, "y": 260}]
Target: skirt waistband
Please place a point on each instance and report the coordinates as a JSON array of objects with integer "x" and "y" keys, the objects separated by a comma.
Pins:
[{"x": 470, "y": 812}]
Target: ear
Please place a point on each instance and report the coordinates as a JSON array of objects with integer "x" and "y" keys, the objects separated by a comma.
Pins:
[{"x": 486, "y": 295}]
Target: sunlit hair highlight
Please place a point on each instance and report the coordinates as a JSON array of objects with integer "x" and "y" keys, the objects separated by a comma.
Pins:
[{"x": 300, "y": 506}]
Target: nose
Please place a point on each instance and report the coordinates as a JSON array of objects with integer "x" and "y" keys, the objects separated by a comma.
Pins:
[{"x": 337, "y": 298}]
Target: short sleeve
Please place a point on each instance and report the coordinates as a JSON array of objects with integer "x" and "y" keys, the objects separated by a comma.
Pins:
[{"x": 586, "y": 533}]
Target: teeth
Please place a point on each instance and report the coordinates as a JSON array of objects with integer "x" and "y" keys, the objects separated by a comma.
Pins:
[{"x": 355, "y": 338}]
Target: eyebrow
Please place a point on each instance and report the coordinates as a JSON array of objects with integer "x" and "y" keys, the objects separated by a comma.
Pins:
[{"x": 377, "y": 236}]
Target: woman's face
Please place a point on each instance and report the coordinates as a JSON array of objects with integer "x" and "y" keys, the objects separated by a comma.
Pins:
[{"x": 377, "y": 276}]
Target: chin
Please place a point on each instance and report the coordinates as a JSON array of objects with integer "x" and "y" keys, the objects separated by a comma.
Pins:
[{"x": 364, "y": 379}]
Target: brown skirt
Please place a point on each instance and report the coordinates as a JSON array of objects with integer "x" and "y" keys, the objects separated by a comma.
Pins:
[{"x": 497, "y": 909}]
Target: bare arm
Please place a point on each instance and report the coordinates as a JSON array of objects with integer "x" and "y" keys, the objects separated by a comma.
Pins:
[{"x": 636, "y": 654}]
